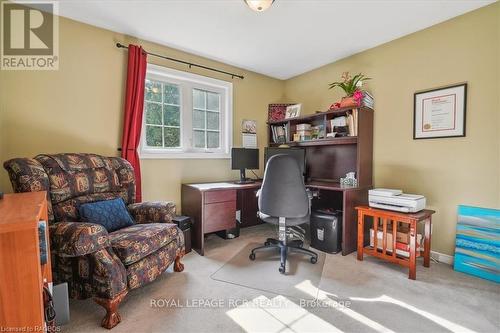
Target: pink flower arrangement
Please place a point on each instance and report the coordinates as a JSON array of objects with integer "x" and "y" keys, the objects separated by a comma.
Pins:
[
  {"x": 358, "y": 95},
  {"x": 352, "y": 88}
]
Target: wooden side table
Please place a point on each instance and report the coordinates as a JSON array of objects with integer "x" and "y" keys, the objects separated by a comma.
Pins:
[{"x": 412, "y": 219}]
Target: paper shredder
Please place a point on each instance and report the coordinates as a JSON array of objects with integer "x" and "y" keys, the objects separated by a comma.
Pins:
[{"x": 326, "y": 230}]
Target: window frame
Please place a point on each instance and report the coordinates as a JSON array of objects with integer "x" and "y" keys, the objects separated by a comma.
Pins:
[
  {"x": 162, "y": 125},
  {"x": 187, "y": 82}
]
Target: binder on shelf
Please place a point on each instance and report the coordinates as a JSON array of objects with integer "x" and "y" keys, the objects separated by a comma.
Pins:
[{"x": 280, "y": 133}]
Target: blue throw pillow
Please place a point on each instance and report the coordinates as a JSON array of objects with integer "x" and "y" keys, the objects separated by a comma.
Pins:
[{"x": 111, "y": 214}]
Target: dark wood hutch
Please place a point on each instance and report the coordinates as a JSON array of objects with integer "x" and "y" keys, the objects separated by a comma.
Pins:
[{"x": 329, "y": 159}]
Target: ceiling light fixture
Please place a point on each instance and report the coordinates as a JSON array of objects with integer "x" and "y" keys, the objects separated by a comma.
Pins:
[{"x": 259, "y": 5}]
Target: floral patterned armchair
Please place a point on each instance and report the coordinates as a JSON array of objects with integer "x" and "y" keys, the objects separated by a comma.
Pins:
[{"x": 92, "y": 261}]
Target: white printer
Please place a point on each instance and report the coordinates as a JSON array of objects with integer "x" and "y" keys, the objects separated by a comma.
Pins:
[{"x": 395, "y": 200}]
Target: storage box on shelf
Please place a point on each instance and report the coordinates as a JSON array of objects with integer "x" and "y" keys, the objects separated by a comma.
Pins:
[{"x": 402, "y": 241}]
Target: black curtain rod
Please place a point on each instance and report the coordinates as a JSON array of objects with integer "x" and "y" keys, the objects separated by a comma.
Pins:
[{"x": 190, "y": 64}]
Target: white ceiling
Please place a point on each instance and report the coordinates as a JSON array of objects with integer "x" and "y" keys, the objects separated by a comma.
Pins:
[{"x": 292, "y": 37}]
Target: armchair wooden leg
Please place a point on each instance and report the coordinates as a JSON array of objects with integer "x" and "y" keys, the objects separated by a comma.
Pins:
[
  {"x": 112, "y": 317},
  {"x": 178, "y": 266}
]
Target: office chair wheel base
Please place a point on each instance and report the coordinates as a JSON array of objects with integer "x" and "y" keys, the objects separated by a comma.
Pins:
[
  {"x": 282, "y": 269},
  {"x": 252, "y": 256},
  {"x": 314, "y": 260}
]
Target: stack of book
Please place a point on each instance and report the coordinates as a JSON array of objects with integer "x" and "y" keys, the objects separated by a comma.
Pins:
[
  {"x": 280, "y": 133},
  {"x": 402, "y": 241},
  {"x": 303, "y": 132},
  {"x": 368, "y": 99}
]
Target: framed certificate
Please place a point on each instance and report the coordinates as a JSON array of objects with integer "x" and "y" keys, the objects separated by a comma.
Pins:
[{"x": 440, "y": 113}]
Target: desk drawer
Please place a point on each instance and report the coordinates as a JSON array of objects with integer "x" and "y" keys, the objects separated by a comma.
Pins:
[
  {"x": 220, "y": 196},
  {"x": 219, "y": 216}
]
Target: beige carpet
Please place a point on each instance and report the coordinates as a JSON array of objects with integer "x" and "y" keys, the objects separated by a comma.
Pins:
[
  {"x": 262, "y": 273},
  {"x": 381, "y": 297}
]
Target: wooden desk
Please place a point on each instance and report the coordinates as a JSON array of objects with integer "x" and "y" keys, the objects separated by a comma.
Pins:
[
  {"x": 412, "y": 219},
  {"x": 212, "y": 207},
  {"x": 21, "y": 275}
]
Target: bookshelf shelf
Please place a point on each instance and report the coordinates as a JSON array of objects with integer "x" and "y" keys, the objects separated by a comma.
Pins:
[
  {"x": 309, "y": 117},
  {"x": 348, "y": 140},
  {"x": 279, "y": 122}
]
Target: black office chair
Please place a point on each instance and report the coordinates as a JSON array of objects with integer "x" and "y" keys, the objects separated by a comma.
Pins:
[{"x": 284, "y": 201}]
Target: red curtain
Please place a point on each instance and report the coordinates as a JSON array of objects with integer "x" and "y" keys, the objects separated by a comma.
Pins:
[{"x": 134, "y": 104}]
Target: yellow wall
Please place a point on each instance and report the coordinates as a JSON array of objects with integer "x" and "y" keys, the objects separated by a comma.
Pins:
[
  {"x": 447, "y": 171},
  {"x": 79, "y": 107}
]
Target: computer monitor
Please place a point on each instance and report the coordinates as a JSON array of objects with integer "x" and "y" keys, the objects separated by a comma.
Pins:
[
  {"x": 244, "y": 158},
  {"x": 299, "y": 154}
]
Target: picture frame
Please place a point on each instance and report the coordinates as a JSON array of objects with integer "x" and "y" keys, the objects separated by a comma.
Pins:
[
  {"x": 293, "y": 111},
  {"x": 249, "y": 126},
  {"x": 276, "y": 112},
  {"x": 440, "y": 112}
]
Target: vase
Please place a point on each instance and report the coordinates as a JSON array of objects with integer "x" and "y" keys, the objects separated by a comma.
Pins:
[{"x": 348, "y": 101}]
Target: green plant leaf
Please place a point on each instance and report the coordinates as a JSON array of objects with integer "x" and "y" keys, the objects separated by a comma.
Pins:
[{"x": 349, "y": 86}]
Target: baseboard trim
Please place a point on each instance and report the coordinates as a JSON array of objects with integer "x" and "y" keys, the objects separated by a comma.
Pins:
[{"x": 441, "y": 257}]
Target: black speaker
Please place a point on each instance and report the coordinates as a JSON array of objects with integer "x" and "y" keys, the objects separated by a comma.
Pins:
[{"x": 183, "y": 222}]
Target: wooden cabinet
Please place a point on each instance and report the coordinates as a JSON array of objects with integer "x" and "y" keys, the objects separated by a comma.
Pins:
[
  {"x": 212, "y": 207},
  {"x": 219, "y": 196},
  {"x": 219, "y": 216},
  {"x": 21, "y": 274}
]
